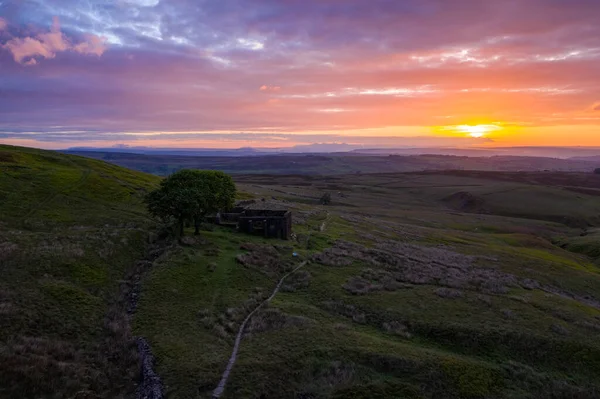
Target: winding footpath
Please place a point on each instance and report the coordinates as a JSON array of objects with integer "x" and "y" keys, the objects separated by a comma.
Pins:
[{"x": 221, "y": 387}]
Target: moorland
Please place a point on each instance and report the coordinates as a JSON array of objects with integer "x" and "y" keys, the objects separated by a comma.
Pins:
[
  {"x": 336, "y": 163},
  {"x": 421, "y": 284}
]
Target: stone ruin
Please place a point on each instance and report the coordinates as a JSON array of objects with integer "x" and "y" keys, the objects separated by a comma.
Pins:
[{"x": 265, "y": 222}]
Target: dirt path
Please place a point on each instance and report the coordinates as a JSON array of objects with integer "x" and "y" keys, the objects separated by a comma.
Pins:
[{"x": 221, "y": 387}]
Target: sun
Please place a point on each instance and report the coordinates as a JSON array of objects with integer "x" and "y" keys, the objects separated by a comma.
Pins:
[
  {"x": 476, "y": 131},
  {"x": 484, "y": 131}
]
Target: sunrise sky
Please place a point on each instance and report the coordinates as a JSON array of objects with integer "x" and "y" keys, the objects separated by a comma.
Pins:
[{"x": 273, "y": 73}]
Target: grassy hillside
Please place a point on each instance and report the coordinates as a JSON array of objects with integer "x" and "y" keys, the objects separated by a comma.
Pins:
[
  {"x": 70, "y": 230},
  {"x": 403, "y": 296},
  {"x": 425, "y": 285}
]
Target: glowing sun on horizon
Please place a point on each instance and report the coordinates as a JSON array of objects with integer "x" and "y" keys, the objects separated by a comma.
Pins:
[{"x": 476, "y": 131}]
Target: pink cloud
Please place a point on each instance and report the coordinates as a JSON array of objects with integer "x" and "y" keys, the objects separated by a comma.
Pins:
[
  {"x": 3, "y": 24},
  {"x": 92, "y": 45},
  {"x": 47, "y": 45},
  {"x": 270, "y": 88}
]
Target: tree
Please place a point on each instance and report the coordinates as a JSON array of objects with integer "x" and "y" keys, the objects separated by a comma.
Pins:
[
  {"x": 597, "y": 171},
  {"x": 188, "y": 195},
  {"x": 325, "y": 199}
]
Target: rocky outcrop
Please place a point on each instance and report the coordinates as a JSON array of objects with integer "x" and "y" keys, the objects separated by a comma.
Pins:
[{"x": 150, "y": 386}]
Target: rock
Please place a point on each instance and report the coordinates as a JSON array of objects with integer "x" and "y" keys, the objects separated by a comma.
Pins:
[
  {"x": 530, "y": 284},
  {"x": 558, "y": 329},
  {"x": 150, "y": 387}
]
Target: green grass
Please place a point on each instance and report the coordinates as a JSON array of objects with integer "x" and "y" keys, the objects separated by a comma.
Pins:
[
  {"x": 70, "y": 229},
  {"x": 520, "y": 343},
  {"x": 478, "y": 345},
  {"x": 587, "y": 244}
]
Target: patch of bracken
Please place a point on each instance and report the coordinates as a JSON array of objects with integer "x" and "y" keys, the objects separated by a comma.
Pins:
[
  {"x": 297, "y": 281},
  {"x": 263, "y": 258},
  {"x": 350, "y": 311},
  {"x": 274, "y": 319},
  {"x": 393, "y": 265},
  {"x": 396, "y": 328}
]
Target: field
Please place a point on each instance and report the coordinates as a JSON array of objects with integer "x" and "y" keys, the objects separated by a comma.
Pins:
[
  {"x": 437, "y": 284},
  {"x": 71, "y": 230},
  {"x": 404, "y": 295}
]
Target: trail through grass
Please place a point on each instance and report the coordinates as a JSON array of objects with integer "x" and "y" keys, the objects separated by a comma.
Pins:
[{"x": 221, "y": 387}]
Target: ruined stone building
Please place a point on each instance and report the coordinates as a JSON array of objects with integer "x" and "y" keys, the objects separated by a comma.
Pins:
[{"x": 264, "y": 222}]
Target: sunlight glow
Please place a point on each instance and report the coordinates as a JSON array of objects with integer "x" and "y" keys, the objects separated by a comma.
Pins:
[{"x": 477, "y": 131}]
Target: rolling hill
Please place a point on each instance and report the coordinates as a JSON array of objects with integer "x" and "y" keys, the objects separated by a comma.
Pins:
[
  {"x": 398, "y": 288},
  {"x": 71, "y": 229},
  {"x": 335, "y": 163}
]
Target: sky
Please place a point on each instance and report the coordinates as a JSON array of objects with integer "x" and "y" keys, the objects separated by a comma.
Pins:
[{"x": 279, "y": 73}]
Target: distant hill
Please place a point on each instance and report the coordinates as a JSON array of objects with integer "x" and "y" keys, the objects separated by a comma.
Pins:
[
  {"x": 352, "y": 149},
  {"x": 191, "y": 152},
  {"x": 70, "y": 229},
  {"x": 595, "y": 158},
  {"x": 544, "y": 152},
  {"x": 334, "y": 164}
]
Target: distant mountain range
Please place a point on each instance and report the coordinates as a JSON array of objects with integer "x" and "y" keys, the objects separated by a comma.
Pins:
[
  {"x": 195, "y": 152},
  {"x": 580, "y": 153}
]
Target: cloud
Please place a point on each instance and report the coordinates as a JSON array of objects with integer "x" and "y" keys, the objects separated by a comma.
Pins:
[
  {"x": 254, "y": 139},
  {"x": 92, "y": 45},
  {"x": 596, "y": 107},
  {"x": 293, "y": 66},
  {"x": 3, "y": 24},
  {"x": 267, "y": 88},
  {"x": 25, "y": 50}
]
